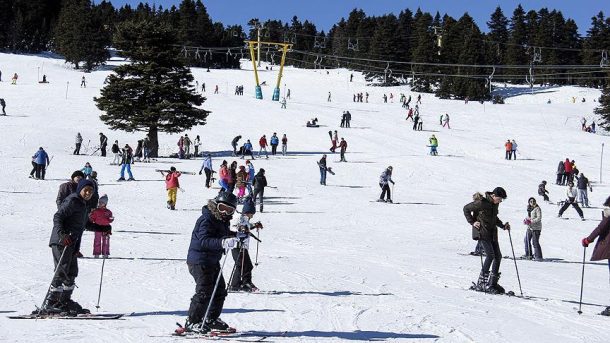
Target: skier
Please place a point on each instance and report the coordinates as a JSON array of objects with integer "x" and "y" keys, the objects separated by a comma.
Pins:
[
  {"x": 68, "y": 224},
  {"x": 262, "y": 142},
  {"x": 446, "y": 121},
  {"x": 42, "y": 162},
  {"x": 259, "y": 183},
  {"x": 323, "y": 169},
  {"x": 210, "y": 238},
  {"x": 171, "y": 185},
  {"x": 329, "y": 97},
  {"x": 534, "y": 227},
  {"x": 251, "y": 175},
  {"x": 343, "y": 147},
  {"x": 384, "y": 180},
  {"x": 334, "y": 139},
  {"x": 103, "y": 144},
  {"x": 234, "y": 145},
  {"x": 206, "y": 166},
  {"x": 542, "y": 191},
  {"x": 433, "y": 145},
  {"x": 117, "y": 153},
  {"x": 284, "y": 145},
  {"x": 126, "y": 161},
  {"x": 247, "y": 150},
  {"x": 348, "y": 119},
  {"x": 283, "y": 103},
  {"x": 571, "y": 200},
  {"x": 224, "y": 176},
  {"x": 99, "y": 221},
  {"x": 187, "y": 146},
  {"x": 560, "y": 172},
  {"x": 196, "y": 144},
  {"x": 482, "y": 214},
  {"x": 241, "y": 279},
  {"x": 602, "y": 247},
  {"x": 77, "y": 141},
  {"x": 582, "y": 183},
  {"x": 3, "y": 104},
  {"x": 275, "y": 141},
  {"x": 83, "y": 82},
  {"x": 67, "y": 188},
  {"x": 513, "y": 149},
  {"x": 509, "y": 148},
  {"x": 87, "y": 169}
]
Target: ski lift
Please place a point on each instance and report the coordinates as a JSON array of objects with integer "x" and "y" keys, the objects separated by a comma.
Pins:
[
  {"x": 604, "y": 62},
  {"x": 228, "y": 54},
  {"x": 197, "y": 56},
  {"x": 530, "y": 78},
  {"x": 352, "y": 46},
  {"x": 185, "y": 52},
  {"x": 490, "y": 78},
  {"x": 293, "y": 40},
  {"x": 537, "y": 55}
]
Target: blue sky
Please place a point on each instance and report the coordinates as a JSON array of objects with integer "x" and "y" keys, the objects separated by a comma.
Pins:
[{"x": 325, "y": 13}]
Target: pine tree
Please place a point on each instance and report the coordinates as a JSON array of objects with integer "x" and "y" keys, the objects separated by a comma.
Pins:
[
  {"x": 79, "y": 35},
  {"x": 498, "y": 37},
  {"x": 424, "y": 51},
  {"x": 153, "y": 92},
  {"x": 603, "y": 110},
  {"x": 515, "y": 53}
]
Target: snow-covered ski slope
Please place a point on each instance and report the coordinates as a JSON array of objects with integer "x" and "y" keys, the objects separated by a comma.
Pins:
[{"x": 344, "y": 268}]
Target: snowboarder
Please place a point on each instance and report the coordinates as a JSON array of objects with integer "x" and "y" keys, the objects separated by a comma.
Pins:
[
  {"x": 582, "y": 183},
  {"x": 343, "y": 147},
  {"x": 533, "y": 221},
  {"x": 77, "y": 141},
  {"x": 126, "y": 161},
  {"x": 571, "y": 200},
  {"x": 3, "y": 104},
  {"x": 259, "y": 183},
  {"x": 67, "y": 188},
  {"x": 482, "y": 214},
  {"x": 323, "y": 169},
  {"x": 241, "y": 279},
  {"x": 602, "y": 247},
  {"x": 275, "y": 141},
  {"x": 234, "y": 145},
  {"x": 206, "y": 166},
  {"x": 433, "y": 145},
  {"x": 103, "y": 144},
  {"x": 68, "y": 224},
  {"x": 210, "y": 238},
  {"x": 171, "y": 185},
  {"x": 384, "y": 180},
  {"x": 99, "y": 221},
  {"x": 42, "y": 162},
  {"x": 542, "y": 191}
]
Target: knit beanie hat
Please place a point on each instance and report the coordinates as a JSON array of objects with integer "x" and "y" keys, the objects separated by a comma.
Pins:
[
  {"x": 84, "y": 183},
  {"x": 103, "y": 200}
]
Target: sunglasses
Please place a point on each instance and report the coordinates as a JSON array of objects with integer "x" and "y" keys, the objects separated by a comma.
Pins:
[{"x": 225, "y": 209}]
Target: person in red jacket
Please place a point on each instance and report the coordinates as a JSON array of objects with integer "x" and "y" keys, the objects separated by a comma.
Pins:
[
  {"x": 343, "y": 147},
  {"x": 569, "y": 171},
  {"x": 509, "y": 149},
  {"x": 99, "y": 221},
  {"x": 263, "y": 144},
  {"x": 171, "y": 185}
]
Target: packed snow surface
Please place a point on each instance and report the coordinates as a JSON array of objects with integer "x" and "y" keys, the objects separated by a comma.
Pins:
[{"x": 344, "y": 268}]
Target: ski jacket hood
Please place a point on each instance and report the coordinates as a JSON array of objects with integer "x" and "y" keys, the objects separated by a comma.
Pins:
[
  {"x": 206, "y": 240},
  {"x": 483, "y": 210}
]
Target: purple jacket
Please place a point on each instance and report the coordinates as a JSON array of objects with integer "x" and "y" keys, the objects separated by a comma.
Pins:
[{"x": 602, "y": 247}]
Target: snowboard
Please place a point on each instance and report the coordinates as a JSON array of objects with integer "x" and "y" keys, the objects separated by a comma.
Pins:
[
  {"x": 328, "y": 169},
  {"x": 89, "y": 316}
]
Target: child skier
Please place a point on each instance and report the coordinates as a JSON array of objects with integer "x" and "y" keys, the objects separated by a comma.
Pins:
[
  {"x": 87, "y": 169},
  {"x": 433, "y": 145},
  {"x": 171, "y": 185},
  {"x": 99, "y": 221},
  {"x": 542, "y": 191},
  {"x": 240, "y": 183},
  {"x": 241, "y": 279}
]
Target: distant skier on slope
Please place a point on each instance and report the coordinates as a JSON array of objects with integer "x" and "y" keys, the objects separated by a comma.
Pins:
[
  {"x": 384, "y": 180},
  {"x": 571, "y": 194},
  {"x": 482, "y": 214}
]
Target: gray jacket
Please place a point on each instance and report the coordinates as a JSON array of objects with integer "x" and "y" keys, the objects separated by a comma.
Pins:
[{"x": 536, "y": 219}]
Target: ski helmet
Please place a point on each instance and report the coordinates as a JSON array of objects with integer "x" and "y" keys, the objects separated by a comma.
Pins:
[{"x": 226, "y": 198}]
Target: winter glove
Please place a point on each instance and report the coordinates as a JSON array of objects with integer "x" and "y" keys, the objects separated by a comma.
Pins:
[
  {"x": 200, "y": 172},
  {"x": 527, "y": 221},
  {"x": 258, "y": 225},
  {"x": 107, "y": 233},
  {"x": 66, "y": 239},
  {"x": 230, "y": 243},
  {"x": 393, "y": 182},
  {"x": 507, "y": 226},
  {"x": 585, "y": 242}
]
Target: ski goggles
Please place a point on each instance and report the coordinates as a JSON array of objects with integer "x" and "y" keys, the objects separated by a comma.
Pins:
[{"x": 225, "y": 209}]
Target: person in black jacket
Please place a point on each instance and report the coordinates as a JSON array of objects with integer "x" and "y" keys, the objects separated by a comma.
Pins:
[
  {"x": 234, "y": 145},
  {"x": 67, "y": 188},
  {"x": 482, "y": 214},
  {"x": 260, "y": 182},
  {"x": 68, "y": 225},
  {"x": 211, "y": 238},
  {"x": 103, "y": 144}
]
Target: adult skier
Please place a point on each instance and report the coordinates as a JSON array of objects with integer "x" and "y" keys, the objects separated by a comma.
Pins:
[
  {"x": 259, "y": 183},
  {"x": 275, "y": 141},
  {"x": 42, "y": 162},
  {"x": 384, "y": 180},
  {"x": 482, "y": 214},
  {"x": 343, "y": 147},
  {"x": 68, "y": 225},
  {"x": 206, "y": 166},
  {"x": 533, "y": 221},
  {"x": 103, "y": 144},
  {"x": 211, "y": 238},
  {"x": 77, "y": 141},
  {"x": 582, "y": 183},
  {"x": 241, "y": 279},
  {"x": 542, "y": 191},
  {"x": 571, "y": 194}
]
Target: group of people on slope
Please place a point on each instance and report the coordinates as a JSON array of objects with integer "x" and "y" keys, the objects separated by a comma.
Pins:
[
  {"x": 511, "y": 149},
  {"x": 230, "y": 178},
  {"x": 247, "y": 148}
]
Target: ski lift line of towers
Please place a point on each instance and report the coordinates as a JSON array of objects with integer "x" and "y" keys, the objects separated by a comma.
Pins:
[{"x": 283, "y": 47}]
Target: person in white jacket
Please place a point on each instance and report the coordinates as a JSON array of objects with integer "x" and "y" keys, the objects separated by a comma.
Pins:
[
  {"x": 571, "y": 194},
  {"x": 534, "y": 228}
]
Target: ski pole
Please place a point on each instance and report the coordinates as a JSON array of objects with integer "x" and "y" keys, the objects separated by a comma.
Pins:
[
  {"x": 231, "y": 277},
  {"x": 257, "y": 242},
  {"x": 515, "y": 260},
  {"x": 582, "y": 279},
  {"x": 55, "y": 272},
  {"x": 99, "y": 293},
  {"x": 207, "y": 311},
  {"x": 394, "y": 195}
]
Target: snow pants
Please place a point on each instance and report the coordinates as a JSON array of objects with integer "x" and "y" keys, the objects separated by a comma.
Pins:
[
  {"x": 385, "y": 188},
  {"x": 67, "y": 268},
  {"x": 101, "y": 243},
  {"x": 323, "y": 176},
  {"x": 208, "y": 177},
  {"x": 242, "y": 272},
  {"x": 205, "y": 279},
  {"x": 128, "y": 168},
  {"x": 258, "y": 192},
  {"x": 273, "y": 149},
  {"x": 117, "y": 158},
  {"x": 172, "y": 195},
  {"x": 493, "y": 256},
  {"x": 224, "y": 185},
  {"x": 284, "y": 148},
  {"x": 573, "y": 203},
  {"x": 583, "y": 197},
  {"x": 77, "y": 149},
  {"x": 532, "y": 237},
  {"x": 40, "y": 171}
]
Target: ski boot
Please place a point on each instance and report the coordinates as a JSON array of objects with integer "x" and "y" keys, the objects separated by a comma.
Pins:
[
  {"x": 218, "y": 325},
  {"x": 70, "y": 306},
  {"x": 169, "y": 205},
  {"x": 52, "y": 304},
  {"x": 389, "y": 201},
  {"x": 249, "y": 287},
  {"x": 481, "y": 285},
  {"x": 380, "y": 200},
  {"x": 121, "y": 179},
  {"x": 493, "y": 286},
  {"x": 131, "y": 179},
  {"x": 193, "y": 327},
  {"x": 606, "y": 312}
]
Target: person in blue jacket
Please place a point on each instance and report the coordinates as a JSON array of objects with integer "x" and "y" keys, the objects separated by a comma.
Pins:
[
  {"x": 247, "y": 150},
  {"x": 41, "y": 158},
  {"x": 211, "y": 238},
  {"x": 275, "y": 141}
]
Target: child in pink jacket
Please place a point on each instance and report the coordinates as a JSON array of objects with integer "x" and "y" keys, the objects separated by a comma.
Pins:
[{"x": 99, "y": 221}]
